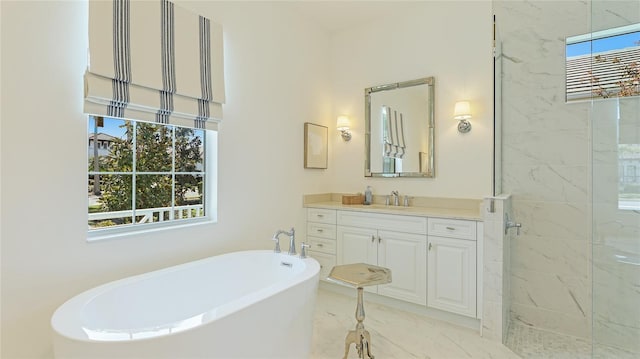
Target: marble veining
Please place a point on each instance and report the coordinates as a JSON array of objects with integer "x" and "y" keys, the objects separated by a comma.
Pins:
[
  {"x": 546, "y": 165},
  {"x": 496, "y": 267},
  {"x": 395, "y": 334}
]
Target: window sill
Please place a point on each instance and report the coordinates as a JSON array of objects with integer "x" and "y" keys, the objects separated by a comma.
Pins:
[{"x": 99, "y": 235}]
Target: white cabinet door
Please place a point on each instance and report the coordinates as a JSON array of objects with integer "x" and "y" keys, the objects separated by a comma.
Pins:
[
  {"x": 406, "y": 255},
  {"x": 357, "y": 245},
  {"x": 452, "y": 275},
  {"x": 326, "y": 262}
]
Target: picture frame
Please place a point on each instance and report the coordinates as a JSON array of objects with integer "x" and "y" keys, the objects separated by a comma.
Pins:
[{"x": 315, "y": 146}]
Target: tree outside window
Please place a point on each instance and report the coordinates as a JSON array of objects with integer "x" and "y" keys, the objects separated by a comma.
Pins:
[{"x": 149, "y": 173}]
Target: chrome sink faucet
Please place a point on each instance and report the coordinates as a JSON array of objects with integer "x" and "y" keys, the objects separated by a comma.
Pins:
[
  {"x": 292, "y": 240},
  {"x": 396, "y": 198}
]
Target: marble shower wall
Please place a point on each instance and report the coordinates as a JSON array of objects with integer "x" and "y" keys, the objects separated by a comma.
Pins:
[
  {"x": 496, "y": 300},
  {"x": 546, "y": 166}
]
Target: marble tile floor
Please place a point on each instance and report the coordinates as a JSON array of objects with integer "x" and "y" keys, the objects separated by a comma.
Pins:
[
  {"x": 532, "y": 343},
  {"x": 395, "y": 334}
]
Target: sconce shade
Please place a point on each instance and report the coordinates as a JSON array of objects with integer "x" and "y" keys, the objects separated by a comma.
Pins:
[
  {"x": 343, "y": 123},
  {"x": 462, "y": 110},
  {"x": 343, "y": 126}
]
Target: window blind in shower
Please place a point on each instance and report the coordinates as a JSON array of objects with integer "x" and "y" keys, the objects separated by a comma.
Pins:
[{"x": 154, "y": 61}]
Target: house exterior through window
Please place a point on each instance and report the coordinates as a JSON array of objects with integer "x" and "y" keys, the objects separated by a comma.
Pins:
[{"x": 143, "y": 173}]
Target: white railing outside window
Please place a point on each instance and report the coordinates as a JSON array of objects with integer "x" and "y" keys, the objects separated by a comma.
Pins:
[{"x": 150, "y": 215}]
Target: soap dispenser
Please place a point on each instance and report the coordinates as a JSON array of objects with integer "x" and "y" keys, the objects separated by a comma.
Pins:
[{"x": 368, "y": 196}]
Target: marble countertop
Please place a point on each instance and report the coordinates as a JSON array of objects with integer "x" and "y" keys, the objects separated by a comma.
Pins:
[{"x": 418, "y": 211}]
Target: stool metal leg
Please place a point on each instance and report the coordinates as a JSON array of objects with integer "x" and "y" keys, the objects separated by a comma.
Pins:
[
  {"x": 351, "y": 338},
  {"x": 360, "y": 337}
]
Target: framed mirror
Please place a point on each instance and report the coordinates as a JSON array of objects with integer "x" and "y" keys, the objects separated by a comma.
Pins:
[{"x": 399, "y": 129}]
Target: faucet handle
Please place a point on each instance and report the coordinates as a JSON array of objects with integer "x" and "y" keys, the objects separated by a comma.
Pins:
[
  {"x": 277, "y": 240},
  {"x": 303, "y": 252},
  {"x": 510, "y": 224}
]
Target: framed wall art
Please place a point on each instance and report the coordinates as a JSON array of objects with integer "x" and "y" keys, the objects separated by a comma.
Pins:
[{"x": 315, "y": 145}]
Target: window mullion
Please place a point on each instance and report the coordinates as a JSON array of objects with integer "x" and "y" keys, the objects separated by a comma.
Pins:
[
  {"x": 203, "y": 196},
  {"x": 134, "y": 148},
  {"x": 173, "y": 172}
]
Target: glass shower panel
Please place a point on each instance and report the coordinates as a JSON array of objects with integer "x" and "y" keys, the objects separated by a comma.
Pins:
[
  {"x": 497, "y": 110},
  {"x": 616, "y": 192}
]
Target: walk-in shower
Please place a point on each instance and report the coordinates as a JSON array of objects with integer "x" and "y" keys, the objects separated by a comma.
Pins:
[{"x": 567, "y": 150}]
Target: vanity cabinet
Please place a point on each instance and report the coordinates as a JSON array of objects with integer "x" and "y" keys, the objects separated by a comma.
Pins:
[
  {"x": 321, "y": 235},
  {"x": 452, "y": 266},
  {"x": 390, "y": 241},
  {"x": 433, "y": 260}
]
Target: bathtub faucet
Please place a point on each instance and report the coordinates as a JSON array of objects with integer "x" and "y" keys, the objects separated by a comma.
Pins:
[{"x": 292, "y": 240}]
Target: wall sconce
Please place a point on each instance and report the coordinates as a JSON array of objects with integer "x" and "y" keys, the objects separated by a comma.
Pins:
[
  {"x": 462, "y": 112},
  {"x": 343, "y": 127}
]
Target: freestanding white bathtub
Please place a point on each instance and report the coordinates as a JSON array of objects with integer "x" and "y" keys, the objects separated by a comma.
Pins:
[{"x": 251, "y": 304}]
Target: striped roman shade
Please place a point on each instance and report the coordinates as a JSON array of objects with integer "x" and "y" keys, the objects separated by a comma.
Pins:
[{"x": 154, "y": 61}]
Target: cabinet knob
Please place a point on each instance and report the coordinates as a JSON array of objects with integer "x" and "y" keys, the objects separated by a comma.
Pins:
[
  {"x": 320, "y": 245},
  {"x": 429, "y": 246},
  {"x": 319, "y": 230},
  {"x": 451, "y": 228},
  {"x": 373, "y": 238},
  {"x": 379, "y": 239},
  {"x": 320, "y": 215}
]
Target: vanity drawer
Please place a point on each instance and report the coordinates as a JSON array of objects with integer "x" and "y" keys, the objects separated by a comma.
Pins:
[
  {"x": 389, "y": 222},
  {"x": 321, "y": 215},
  {"x": 327, "y": 262},
  {"x": 323, "y": 245},
  {"x": 453, "y": 228},
  {"x": 321, "y": 230}
]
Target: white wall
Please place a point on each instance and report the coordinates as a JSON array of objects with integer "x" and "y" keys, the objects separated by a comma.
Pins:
[
  {"x": 277, "y": 78},
  {"x": 281, "y": 71},
  {"x": 450, "y": 40}
]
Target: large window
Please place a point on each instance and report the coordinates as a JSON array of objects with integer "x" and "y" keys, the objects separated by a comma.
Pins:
[{"x": 142, "y": 173}]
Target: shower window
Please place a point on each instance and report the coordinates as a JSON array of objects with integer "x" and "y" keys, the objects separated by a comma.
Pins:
[
  {"x": 144, "y": 174},
  {"x": 603, "y": 64}
]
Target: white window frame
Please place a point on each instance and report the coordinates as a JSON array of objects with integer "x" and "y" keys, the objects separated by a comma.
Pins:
[{"x": 210, "y": 200}]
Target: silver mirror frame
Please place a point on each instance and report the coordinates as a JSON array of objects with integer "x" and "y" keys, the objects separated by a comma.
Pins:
[{"x": 430, "y": 171}]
